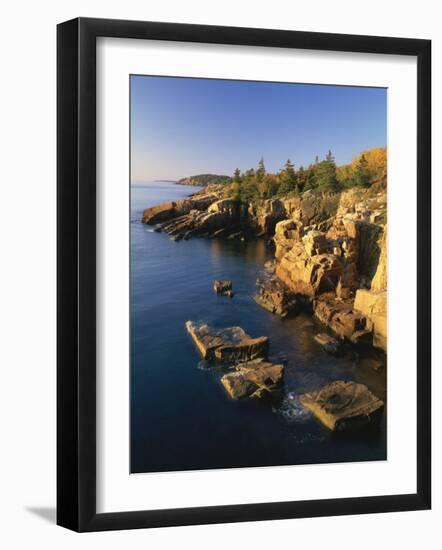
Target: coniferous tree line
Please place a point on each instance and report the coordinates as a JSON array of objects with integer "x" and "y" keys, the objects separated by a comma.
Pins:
[{"x": 322, "y": 175}]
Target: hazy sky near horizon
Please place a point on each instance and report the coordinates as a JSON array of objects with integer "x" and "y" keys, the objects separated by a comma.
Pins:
[{"x": 186, "y": 126}]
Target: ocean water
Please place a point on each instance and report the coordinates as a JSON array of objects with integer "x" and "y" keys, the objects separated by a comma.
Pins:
[{"x": 181, "y": 417}]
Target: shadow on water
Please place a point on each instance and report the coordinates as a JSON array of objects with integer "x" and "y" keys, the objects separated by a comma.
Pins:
[{"x": 181, "y": 418}]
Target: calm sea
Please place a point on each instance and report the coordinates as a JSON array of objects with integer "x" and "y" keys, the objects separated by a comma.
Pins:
[{"x": 181, "y": 418}]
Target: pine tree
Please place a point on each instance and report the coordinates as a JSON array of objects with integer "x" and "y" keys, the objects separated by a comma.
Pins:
[
  {"x": 311, "y": 181},
  {"x": 326, "y": 174},
  {"x": 288, "y": 179},
  {"x": 362, "y": 174},
  {"x": 301, "y": 176},
  {"x": 329, "y": 157},
  {"x": 261, "y": 171},
  {"x": 237, "y": 175}
]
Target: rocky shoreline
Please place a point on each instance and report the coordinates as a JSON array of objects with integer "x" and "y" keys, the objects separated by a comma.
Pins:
[{"x": 330, "y": 259}]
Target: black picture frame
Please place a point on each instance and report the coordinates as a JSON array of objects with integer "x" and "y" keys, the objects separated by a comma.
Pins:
[{"x": 76, "y": 274}]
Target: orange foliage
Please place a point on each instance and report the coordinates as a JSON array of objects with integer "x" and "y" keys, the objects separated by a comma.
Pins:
[
  {"x": 376, "y": 161},
  {"x": 376, "y": 164}
]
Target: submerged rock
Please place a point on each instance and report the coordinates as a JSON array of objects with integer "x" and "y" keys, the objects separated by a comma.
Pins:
[
  {"x": 344, "y": 406},
  {"x": 253, "y": 379},
  {"x": 223, "y": 287},
  {"x": 230, "y": 344},
  {"x": 328, "y": 343}
]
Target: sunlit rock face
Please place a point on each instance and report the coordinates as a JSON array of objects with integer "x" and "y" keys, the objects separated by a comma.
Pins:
[
  {"x": 253, "y": 379},
  {"x": 309, "y": 275},
  {"x": 287, "y": 233},
  {"x": 344, "y": 406},
  {"x": 250, "y": 374},
  {"x": 230, "y": 344},
  {"x": 379, "y": 281},
  {"x": 373, "y": 305},
  {"x": 332, "y": 250},
  {"x": 274, "y": 296}
]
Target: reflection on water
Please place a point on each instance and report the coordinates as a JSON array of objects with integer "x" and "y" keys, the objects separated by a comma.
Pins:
[{"x": 180, "y": 416}]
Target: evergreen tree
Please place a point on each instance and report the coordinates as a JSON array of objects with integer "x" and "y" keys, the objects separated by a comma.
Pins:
[
  {"x": 237, "y": 176},
  {"x": 288, "y": 179},
  {"x": 362, "y": 174},
  {"x": 261, "y": 171},
  {"x": 311, "y": 181},
  {"x": 329, "y": 157},
  {"x": 326, "y": 174},
  {"x": 301, "y": 176}
]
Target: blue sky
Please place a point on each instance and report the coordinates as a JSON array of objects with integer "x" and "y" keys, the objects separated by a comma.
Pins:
[{"x": 185, "y": 126}]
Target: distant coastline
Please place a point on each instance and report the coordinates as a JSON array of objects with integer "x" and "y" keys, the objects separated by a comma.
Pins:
[{"x": 204, "y": 179}]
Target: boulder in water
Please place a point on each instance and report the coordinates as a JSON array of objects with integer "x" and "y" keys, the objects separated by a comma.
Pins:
[
  {"x": 253, "y": 379},
  {"x": 344, "y": 406},
  {"x": 230, "y": 344},
  {"x": 223, "y": 287},
  {"x": 328, "y": 343}
]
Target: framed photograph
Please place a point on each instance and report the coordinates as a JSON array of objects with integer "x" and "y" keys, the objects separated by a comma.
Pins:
[{"x": 243, "y": 274}]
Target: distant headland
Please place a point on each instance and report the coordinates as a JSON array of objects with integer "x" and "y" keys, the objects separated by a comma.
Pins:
[{"x": 204, "y": 179}]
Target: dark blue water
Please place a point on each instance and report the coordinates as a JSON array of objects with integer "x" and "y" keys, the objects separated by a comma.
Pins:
[{"x": 181, "y": 418}]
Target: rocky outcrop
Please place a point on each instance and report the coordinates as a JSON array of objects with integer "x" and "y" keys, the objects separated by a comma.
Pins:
[
  {"x": 208, "y": 213},
  {"x": 287, "y": 233},
  {"x": 228, "y": 345},
  {"x": 224, "y": 206},
  {"x": 379, "y": 281},
  {"x": 170, "y": 210},
  {"x": 252, "y": 374},
  {"x": 262, "y": 218},
  {"x": 157, "y": 214},
  {"x": 312, "y": 208},
  {"x": 223, "y": 287},
  {"x": 344, "y": 406},
  {"x": 202, "y": 214},
  {"x": 275, "y": 297},
  {"x": 348, "y": 282},
  {"x": 341, "y": 317},
  {"x": 329, "y": 248},
  {"x": 253, "y": 379},
  {"x": 309, "y": 275},
  {"x": 373, "y": 305},
  {"x": 205, "y": 223}
]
